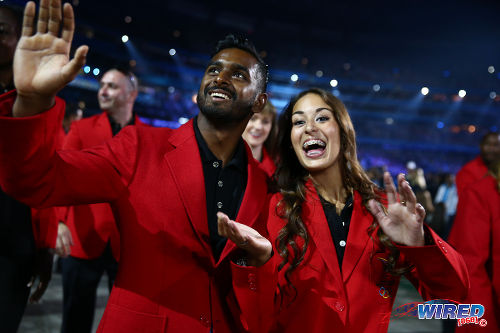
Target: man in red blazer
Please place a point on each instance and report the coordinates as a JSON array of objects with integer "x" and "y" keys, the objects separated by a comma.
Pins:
[
  {"x": 476, "y": 235},
  {"x": 176, "y": 273},
  {"x": 477, "y": 169},
  {"x": 88, "y": 233}
]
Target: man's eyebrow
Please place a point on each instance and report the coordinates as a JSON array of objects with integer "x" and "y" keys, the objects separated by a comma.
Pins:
[
  {"x": 234, "y": 66},
  {"x": 241, "y": 68},
  {"x": 215, "y": 63}
]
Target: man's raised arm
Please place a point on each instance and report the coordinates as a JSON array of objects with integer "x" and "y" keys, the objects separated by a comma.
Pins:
[{"x": 41, "y": 63}]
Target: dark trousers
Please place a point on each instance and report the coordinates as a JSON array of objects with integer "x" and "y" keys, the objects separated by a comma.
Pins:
[
  {"x": 17, "y": 256},
  {"x": 80, "y": 280}
]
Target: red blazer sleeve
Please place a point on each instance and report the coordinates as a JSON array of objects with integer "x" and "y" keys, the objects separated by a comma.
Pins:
[
  {"x": 37, "y": 175},
  {"x": 471, "y": 236},
  {"x": 439, "y": 271},
  {"x": 255, "y": 287}
]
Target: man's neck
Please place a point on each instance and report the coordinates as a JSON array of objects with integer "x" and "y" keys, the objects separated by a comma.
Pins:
[
  {"x": 121, "y": 117},
  {"x": 221, "y": 140}
]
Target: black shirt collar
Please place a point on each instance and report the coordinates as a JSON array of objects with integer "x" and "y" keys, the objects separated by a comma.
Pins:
[
  {"x": 116, "y": 127},
  {"x": 239, "y": 159}
]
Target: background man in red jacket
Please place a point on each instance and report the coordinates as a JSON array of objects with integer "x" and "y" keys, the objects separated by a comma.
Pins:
[
  {"x": 88, "y": 233},
  {"x": 478, "y": 167}
]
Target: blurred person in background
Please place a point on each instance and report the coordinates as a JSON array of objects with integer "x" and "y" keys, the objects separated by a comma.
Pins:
[
  {"x": 260, "y": 135},
  {"x": 476, "y": 235},
  {"x": 71, "y": 114},
  {"x": 478, "y": 167},
  {"x": 415, "y": 176},
  {"x": 88, "y": 239},
  {"x": 447, "y": 196}
]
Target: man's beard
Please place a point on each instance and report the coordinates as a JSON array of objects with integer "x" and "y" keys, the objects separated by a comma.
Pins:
[{"x": 225, "y": 114}]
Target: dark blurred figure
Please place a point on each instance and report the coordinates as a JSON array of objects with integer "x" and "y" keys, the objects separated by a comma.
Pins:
[
  {"x": 476, "y": 235},
  {"x": 19, "y": 259},
  {"x": 478, "y": 167},
  {"x": 71, "y": 114},
  {"x": 415, "y": 176},
  {"x": 376, "y": 175},
  {"x": 447, "y": 198}
]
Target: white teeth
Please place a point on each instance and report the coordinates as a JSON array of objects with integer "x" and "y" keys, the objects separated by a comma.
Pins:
[
  {"x": 221, "y": 95},
  {"x": 313, "y": 142}
]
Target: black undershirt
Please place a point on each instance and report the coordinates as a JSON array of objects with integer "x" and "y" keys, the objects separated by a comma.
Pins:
[
  {"x": 224, "y": 187},
  {"x": 338, "y": 224},
  {"x": 116, "y": 127}
]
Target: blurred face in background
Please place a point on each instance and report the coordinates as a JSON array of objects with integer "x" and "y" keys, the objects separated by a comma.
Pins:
[
  {"x": 490, "y": 149},
  {"x": 9, "y": 36},
  {"x": 115, "y": 91},
  {"x": 258, "y": 129}
]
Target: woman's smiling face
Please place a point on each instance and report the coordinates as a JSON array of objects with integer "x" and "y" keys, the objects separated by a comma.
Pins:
[{"x": 315, "y": 134}]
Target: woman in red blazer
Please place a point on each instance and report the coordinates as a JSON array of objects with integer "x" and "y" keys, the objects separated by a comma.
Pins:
[
  {"x": 339, "y": 253},
  {"x": 260, "y": 135},
  {"x": 476, "y": 235}
]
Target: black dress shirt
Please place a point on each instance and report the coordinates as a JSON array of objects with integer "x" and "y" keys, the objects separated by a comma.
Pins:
[
  {"x": 338, "y": 224},
  {"x": 116, "y": 127},
  {"x": 224, "y": 187}
]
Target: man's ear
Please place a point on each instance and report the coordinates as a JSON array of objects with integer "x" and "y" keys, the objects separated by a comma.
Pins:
[
  {"x": 259, "y": 103},
  {"x": 133, "y": 94}
]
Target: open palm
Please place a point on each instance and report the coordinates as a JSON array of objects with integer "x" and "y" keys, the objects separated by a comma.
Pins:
[
  {"x": 403, "y": 221},
  {"x": 41, "y": 63}
]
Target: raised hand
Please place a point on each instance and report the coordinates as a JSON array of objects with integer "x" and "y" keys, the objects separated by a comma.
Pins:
[
  {"x": 41, "y": 63},
  {"x": 258, "y": 248},
  {"x": 403, "y": 220}
]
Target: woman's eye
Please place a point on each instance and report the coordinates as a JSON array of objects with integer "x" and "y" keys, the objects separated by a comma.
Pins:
[
  {"x": 322, "y": 118},
  {"x": 298, "y": 122}
]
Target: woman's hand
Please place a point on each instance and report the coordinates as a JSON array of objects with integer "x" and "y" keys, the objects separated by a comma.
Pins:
[
  {"x": 258, "y": 248},
  {"x": 403, "y": 221}
]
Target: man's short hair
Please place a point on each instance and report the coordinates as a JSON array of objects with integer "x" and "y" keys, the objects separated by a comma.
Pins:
[
  {"x": 487, "y": 135},
  {"x": 132, "y": 79},
  {"x": 242, "y": 43}
]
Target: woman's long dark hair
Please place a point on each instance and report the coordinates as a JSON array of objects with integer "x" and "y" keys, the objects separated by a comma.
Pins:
[{"x": 291, "y": 178}]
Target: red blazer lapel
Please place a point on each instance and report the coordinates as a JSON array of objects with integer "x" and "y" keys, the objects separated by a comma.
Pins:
[
  {"x": 317, "y": 225},
  {"x": 97, "y": 131},
  {"x": 184, "y": 162},
  {"x": 357, "y": 237},
  {"x": 253, "y": 200}
]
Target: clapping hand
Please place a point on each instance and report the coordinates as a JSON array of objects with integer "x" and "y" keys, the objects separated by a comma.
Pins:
[
  {"x": 41, "y": 63},
  {"x": 403, "y": 220}
]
